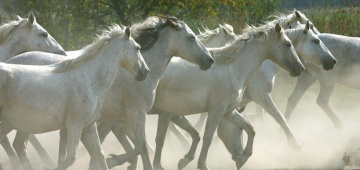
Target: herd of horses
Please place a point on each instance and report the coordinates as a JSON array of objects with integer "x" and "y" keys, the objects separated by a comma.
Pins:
[{"x": 129, "y": 72}]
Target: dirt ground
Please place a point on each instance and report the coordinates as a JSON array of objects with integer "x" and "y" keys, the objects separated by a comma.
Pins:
[{"x": 323, "y": 146}]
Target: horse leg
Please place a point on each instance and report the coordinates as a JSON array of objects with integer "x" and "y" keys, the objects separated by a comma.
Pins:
[
  {"x": 231, "y": 136},
  {"x": 104, "y": 128},
  {"x": 14, "y": 159},
  {"x": 163, "y": 124},
  {"x": 91, "y": 141},
  {"x": 137, "y": 121},
  {"x": 73, "y": 135},
  {"x": 4, "y": 130},
  {"x": 62, "y": 146},
  {"x": 269, "y": 105},
  {"x": 46, "y": 159},
  {"x": 326, "y": 89},
  {"x": 20, "y": 146},
  {"x": 236, "y": 119},
  {"x": 200, "y": 124},
  {"x": 131, "y": 154},
  {"x": 213, "y": 120},
  {"x": 185, "y": 124},
  {"x": 304, "y": 81},
  {"x": 185, "y": 144}
]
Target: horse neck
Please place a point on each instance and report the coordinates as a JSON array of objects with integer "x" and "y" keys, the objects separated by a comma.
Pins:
[
  {"x": 157, "y": 58},
  {"x": 102, "y": 68},
  {"x": 9, "y": 50},
  {"x": 247, "y": 62}
]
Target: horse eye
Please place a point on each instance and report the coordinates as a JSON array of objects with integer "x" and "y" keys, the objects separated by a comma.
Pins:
[
  {"x": 44, "y": 34},
  {"x": 192, "y": 38},
  {"x": 288, "y": 44},
  {"x": 317, "y": 41}
]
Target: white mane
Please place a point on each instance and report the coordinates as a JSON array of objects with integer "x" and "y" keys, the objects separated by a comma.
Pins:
[
  {"x": 90, "y": 50},
  {"x": 7, "y": 28},
  {"x": 227, "y": 54}
]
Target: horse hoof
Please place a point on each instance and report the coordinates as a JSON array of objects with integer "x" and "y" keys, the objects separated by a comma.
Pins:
[
  {"x": 203, "y": 167},
  {"x": 158, "y": 167},
  {"x": 294, "y": 144},
  {"x": 110, "y": 161},
  {"x": 240, "y": 162},
  {"x": 183, "y": 162}
]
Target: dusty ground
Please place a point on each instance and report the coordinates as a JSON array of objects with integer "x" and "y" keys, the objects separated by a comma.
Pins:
[{"x": 323, "y": 146}]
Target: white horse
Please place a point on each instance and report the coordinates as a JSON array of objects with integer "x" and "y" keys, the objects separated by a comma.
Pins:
[
  {"x": 24, "y": 35},
  {"x": 184, "y": 91},
  {"x": 346, "y": 51},
  {"x": 30, "y": 104},
  {"x": 17, "y": 37},
  {"x": 161, "y": 37}
]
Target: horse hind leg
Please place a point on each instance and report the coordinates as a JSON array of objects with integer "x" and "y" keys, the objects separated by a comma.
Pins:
[
  {"x": 91, "y": 141},
  {"x": 20, "y": 146},
  {"x": 231, "y": 136},
  {"x": 14, "y": 159},
  {"x": 185, "y": 124},
  {"x": 185, "y": 144}
]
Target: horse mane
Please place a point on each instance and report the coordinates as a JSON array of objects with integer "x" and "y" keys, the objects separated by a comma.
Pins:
[
  {"x": 295, "y": 33},
  {"x": 146, "y": 33},
  {"x": 228, "y": 53},
  {"x": 7, "y": 28},
  {"x": 207, "y": 34},
  {"x": 91, "y": 50},
  {"x": 282, "y": 19}
]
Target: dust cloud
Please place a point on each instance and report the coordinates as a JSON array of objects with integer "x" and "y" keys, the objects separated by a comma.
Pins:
[{"x": 323, "y": 146}]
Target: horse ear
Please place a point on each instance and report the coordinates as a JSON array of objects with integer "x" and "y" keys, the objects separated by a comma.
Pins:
[
  {"x": 31, "y": 18},
  {"x": 127, "y": 33},
  {"x": 172, "y": 24},
  {"x": 297, "y": 14},
  {"x": 307, "y": 27},
  {"x": 278, "y": 28}
]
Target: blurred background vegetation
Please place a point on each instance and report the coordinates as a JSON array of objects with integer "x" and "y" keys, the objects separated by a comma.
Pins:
[{"x": 74, "y": 23}]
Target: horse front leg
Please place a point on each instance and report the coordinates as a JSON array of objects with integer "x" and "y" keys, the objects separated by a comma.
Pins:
[
  {"x": 20, "y": 146},
  {"x": 46, "y": 159},
  {"x": 163, "y": 124},
  {"x": 91, "y": 141},
  {"x": 236, "y": 119},
  {"x": 326, "y": 89},
  {"x": 185, "y": 124},
  {"x": 214, "y": 117},
  {"x": 4, "y": 130},
  {"x": 304, "y": 81},
  {"x": 62, "y": 146},
  {"x": 269, "y": 105},
  {"x": 14, "y": 159},
  {"x": 131, "y": 154}
]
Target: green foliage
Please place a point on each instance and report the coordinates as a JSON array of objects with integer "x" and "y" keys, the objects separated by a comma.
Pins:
[
  {"x": 74, "y": 23},
  {"x": 342, "y": 20}
]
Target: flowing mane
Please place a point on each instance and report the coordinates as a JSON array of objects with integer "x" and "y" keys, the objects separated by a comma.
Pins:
[
  {"x": 146, "y": 33},
  {"x": 207, "y": 34},
  {"x": 228, "y": 54},
  {"x": 90, "y": 50},
  {"x": 7, "y": 28},
  {"x": 282, "y": 19}
]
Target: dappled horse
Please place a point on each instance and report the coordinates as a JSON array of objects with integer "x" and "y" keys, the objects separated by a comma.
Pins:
[
  {"x": 160, "y": 37},
  {"x": 17, "y": 37},
  {"x": 81, "y": 84},
  {"x": 183, "y": 90}
]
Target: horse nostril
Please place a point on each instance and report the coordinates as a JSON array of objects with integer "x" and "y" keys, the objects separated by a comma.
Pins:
[
  {"x": 334, "y": 61},
  {"x": 302, "y": 68},
  {"x": 211, "y": 60}
]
